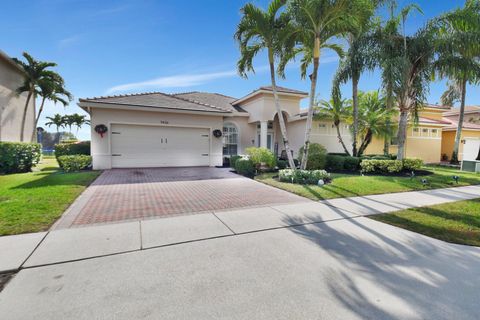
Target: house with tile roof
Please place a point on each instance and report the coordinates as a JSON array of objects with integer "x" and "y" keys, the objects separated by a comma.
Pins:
[{"x": 202, "y": 129}]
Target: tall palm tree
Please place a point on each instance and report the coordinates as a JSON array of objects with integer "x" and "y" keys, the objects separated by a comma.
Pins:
[
  {"x": 34, "y": 72},
  {"x": 458, "y": 49},
  {"x": 69, "y": 121},
  {"x": 264, "y": 30},
  {"x": 52, "y": 87},
  {"x": 79, "y": 120},
  {"x": 358, "y": 58},
  {"x": 58, "y": 121},
  {"x": 337, "y": 110},
  {"x": 317, "y": 23},
  {"x": 373, "y": 119}
]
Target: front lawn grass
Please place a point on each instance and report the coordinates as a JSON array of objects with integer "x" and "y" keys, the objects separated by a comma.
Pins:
[
  {"x": 456, "y": 222},
  {"x": 349, "y": 185},
  {"x": 31, "y": 202}
]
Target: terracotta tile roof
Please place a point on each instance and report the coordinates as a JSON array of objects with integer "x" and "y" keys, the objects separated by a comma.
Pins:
[
  {"x": 436, "y": 106},
  {"x": 454, "y": 124},
  {"x": 432, "y": 121},
  {"x": 157, "y": 100},
  {"x": 214, "y": 99},
  {"x": 283, "y": 89},
  {"x": 469, "y": 109}
]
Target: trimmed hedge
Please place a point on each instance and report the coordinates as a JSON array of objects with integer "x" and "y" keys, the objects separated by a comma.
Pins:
[
  {"x": 336, "y": 162},
  {"x": 245, "y": 167},
  {"x": 412, "y": 164},
  {"x": 75, "y": 162},
  {"x": 282, "y": 164},
  {"x": 68, "y": 149},
  {"x": 233, "y": 160},
  {"x": 19, "y": 156},
  {"x": 261, "y": 155},
  {"x": 381, "y": 166},
  {"x": 303, "y": 176},
  {"x": 317, "y": 156}
]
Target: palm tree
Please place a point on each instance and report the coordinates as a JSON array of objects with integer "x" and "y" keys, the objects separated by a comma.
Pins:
[
  {"x": 58, "y": 121},
  {"x": 52, "y": 87},
  {"x": 317, "y": 22},
  {"x": 34, "y": 72},
  {"x": 69, "y": 121},
  {"x": 373, "y": 119},
  {"x": 457, "y": 47},
  {"x": 259, "y": 30},
  {"x": 79, "y": 120},
  {"x": 337, "y": 110},
  {"x": 357, "y": 59}
]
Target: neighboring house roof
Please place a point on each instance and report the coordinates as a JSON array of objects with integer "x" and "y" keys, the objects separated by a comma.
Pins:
[
  {"x": 213, "y": 99},
  {"x": 468, "y": 109},
  {"x": 4, "y": 57},
  {"x": 436, "y": 106},
  {"x": 454, "y": 124},
  {"x": 157, "y": 100},
  {"x": 432, "y": 121}
]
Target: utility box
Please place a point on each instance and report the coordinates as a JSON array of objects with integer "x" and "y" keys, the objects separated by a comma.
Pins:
[{"x": 470, "y": 165}]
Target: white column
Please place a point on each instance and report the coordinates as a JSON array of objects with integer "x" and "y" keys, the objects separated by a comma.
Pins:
[{"x": 263, "y": 133}]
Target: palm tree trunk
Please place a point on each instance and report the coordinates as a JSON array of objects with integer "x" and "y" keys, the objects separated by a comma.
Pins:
[
  {"x": 313, "y": 85},
  {"x": 355, "y": 80},
  {"x": 337, "y": 126},
  {"x": 366, "y": 141},
  {"x": 24, "y": 117},
  {"x": 458, "y": 135},
  {"x": 386, "y": 140},
  {"x": 38, "y": 117},
  {"x": 402, "y": 133},
  {"x": 281, "y": 120}
]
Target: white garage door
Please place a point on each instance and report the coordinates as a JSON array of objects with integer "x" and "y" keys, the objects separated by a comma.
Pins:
[
  {"x": 470, "y": 148},
  {"x": 135, "y": 146}
]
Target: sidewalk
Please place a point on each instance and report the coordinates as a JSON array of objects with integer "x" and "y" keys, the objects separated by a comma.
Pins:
[{"x": 60, "y": 246}]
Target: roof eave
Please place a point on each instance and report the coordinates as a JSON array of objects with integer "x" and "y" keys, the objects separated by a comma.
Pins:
[{"x": 257, "y": 92}]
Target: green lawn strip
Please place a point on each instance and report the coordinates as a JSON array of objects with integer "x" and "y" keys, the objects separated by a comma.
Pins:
[
  {"x": 31, "y": 202},
  {"x": 348, "y": 185},
  {"x": 456, "y": 222}
]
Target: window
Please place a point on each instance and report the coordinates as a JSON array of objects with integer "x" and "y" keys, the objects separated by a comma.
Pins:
[
  {"x": 434, "y": 132},
  {"x": 230, "y": 139}
]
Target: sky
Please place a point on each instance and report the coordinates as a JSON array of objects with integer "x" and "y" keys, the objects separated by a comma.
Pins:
[{"x": 130, "y": 46}]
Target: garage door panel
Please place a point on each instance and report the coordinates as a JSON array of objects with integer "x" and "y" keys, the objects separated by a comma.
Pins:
[{"x": 155, "y": 146}]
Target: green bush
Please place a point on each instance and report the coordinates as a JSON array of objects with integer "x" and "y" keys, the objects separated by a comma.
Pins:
[
  {"x": 68, "y": 149},
  {"x": 351, "y": 163},
  {"x": 317, "y": 156},
  {"x": 261, "y": 155},
  {"x": 245, "y": 167},
  {"x": 282, "y": 164},
  {"x": 412, "y": 164},
  {"x": 303, "y": 176},
  {"x": 233, "y": 160},
  {"x": 75, "y": 162},
  {"x": 381, "y": 166},
  {"x": 335, "y": 162},
  {"x": 18, "y": 156}
]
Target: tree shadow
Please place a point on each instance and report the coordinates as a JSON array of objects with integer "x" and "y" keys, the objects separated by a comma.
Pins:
[{"x": 385, "y": 269}]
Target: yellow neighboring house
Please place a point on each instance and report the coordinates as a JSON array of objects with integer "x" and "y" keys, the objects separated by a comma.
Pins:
[{"x": 424, "y": 140}]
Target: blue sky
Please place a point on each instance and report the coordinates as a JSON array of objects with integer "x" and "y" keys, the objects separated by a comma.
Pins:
[{"x": 112, "y": 47}]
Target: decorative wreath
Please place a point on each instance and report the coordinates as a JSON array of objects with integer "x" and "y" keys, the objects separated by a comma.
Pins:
[
  {"x": 101, "y": 129},
  {"x": 217, "y": 133}
]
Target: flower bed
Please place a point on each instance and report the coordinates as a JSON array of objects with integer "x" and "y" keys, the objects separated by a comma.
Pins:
[{"x": 303, "y": 176}]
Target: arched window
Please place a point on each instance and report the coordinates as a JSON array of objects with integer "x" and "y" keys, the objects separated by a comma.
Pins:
[{"x": 230, "y": 139}]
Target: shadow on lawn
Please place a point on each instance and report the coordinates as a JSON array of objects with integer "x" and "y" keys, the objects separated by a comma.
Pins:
[
  {"x": 57, "y": 178},
  {"x": 415, "y": 274}
]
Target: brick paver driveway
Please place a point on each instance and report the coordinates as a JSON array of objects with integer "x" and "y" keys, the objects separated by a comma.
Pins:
[{"x": 126, "y": 194}]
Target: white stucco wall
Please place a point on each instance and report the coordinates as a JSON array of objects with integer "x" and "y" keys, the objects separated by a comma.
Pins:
[
  {"x": 12, "y": 106},
  {"x": 262, "y": 107},
  {"x": 101, "y": 146},
  {"x": 246, "y": 132}
]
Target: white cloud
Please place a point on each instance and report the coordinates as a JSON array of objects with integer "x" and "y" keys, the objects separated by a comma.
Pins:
[
  {"x": 69, "y": 41},
  {"x": 176, "y": 81}
]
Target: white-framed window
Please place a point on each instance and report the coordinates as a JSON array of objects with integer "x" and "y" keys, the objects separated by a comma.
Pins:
[{"x": 230, "y": 139}]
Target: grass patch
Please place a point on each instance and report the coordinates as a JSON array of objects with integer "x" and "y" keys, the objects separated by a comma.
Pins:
[
  {"x": 31, "y": 202},
  {"x": 456, "y": 222},
  {"x": 349, "y": 185}
]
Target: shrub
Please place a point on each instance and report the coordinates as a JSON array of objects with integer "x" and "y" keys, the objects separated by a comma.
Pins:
[
  {"x": 303, "y": 176},
  {"x": 18, "y": 156},
  {"x": 245, "y": 167},
  {"x": 412, "y": 164},
  {"x": 75, "y": 162},
  {"x": 351, "y": 163},
  {"x": 233, "y": 160},
  {"x": 67, "y": 149},
  {"x": 317, "y": 156},
  {"x": 261, "y": 155},
  {"x": 282, "y": 164},
  {"x": 381, "y": 166},
  {"x": 335, "y": 162}
]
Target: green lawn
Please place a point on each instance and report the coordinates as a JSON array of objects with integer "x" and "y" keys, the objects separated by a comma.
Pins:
[
  {"x": 31, "y": 202},
  {"x": 456, "y": 222},
  {"x": 348, "y": 185}
]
